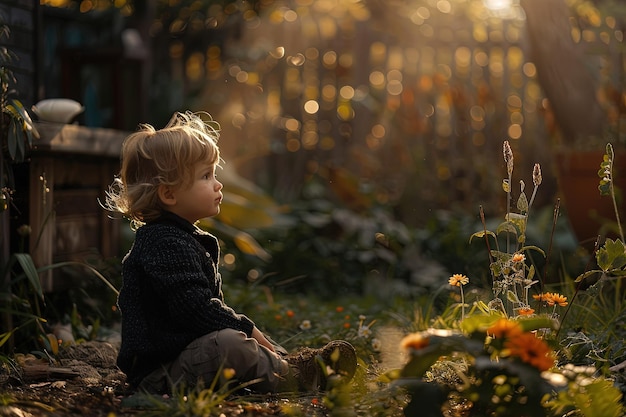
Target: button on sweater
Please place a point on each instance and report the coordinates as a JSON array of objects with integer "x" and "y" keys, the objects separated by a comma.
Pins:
[{"x": 171, "y": 294}]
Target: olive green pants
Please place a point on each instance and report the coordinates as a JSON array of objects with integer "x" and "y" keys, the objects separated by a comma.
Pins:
[{"x": 207, "y": 357}]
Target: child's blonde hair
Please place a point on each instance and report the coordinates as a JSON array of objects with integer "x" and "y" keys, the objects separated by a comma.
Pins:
[{"x": 169, "y": 156}]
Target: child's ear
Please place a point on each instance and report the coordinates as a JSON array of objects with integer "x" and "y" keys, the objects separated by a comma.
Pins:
[{"x": 166, "y": 195}]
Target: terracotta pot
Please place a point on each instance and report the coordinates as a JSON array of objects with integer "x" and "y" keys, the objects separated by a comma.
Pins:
[{"x": 587, "y": 210}]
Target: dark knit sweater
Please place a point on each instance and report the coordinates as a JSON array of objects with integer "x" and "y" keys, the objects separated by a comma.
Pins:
[{"x": 171, "y": 294}]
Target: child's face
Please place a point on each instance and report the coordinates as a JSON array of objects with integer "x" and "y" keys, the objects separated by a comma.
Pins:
[{"x": 200, "y": 200}]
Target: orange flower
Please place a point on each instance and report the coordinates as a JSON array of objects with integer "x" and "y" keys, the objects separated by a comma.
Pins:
[
  {"x": 559, "y": 299},
  {"x": 525, "y": 311},
  {"x": 339, "y": 309},
  {"x": 504, "y": 328},
  {"x": 552, "y": 298},
  {"x": 458, "y": 279},
  {"x": 290, "y": 313},
  {"x": 414, "y": 341},
  {"x": 531, "y": 350},
  {"x": 518, "y": 257}
]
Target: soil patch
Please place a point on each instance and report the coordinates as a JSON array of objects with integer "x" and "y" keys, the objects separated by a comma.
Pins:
[{"x": 83, "y": 380}]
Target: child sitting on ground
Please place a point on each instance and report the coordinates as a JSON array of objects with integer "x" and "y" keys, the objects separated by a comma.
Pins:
[{"x": 176, "y": 325}]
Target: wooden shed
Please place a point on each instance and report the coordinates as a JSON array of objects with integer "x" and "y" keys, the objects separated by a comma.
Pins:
[{"x": 70, "y": 170}]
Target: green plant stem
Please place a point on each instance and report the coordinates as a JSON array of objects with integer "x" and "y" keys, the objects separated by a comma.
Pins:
[
  {"x": 462, "y": 303},
  {"x": 569, "y": 306},
  {"x": 532, "y": 198},
  {"x": 618, "y": 292},
  {"x": 508, "y": 215},
  {"x": 482, "y": 219},
  {"x": 619, "y": 224},
  {"x": 84, "y": 265},
  {"x": 555, "y": 217}
]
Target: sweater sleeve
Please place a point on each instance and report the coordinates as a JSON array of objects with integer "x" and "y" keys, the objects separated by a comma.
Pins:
[{"x": 188, "y": 288}]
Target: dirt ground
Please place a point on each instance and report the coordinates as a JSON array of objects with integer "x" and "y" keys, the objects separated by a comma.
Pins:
[{"x": 84, "y": 380}]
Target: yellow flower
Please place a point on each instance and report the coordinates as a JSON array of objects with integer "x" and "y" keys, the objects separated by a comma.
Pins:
[
  {"x": 504, "y": 328},
  {"x": 458, "y": 279},
  {"x": 228, "y": 373},
  {"x": 518, "y": 257},
  {"x": 531, "y": 350},
  {"x": 414, "y": 341}
]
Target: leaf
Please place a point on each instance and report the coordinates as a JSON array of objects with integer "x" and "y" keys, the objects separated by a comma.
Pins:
[
  {"x": 480, "y": 322},
  {"x": 13, "y": 139},
  {"x": 482, "y": 234},
  {"x": 482, "y": 306},
  {"x": 531, "y": 273},
  {"x": 5, "y": 336},
  {"x": 604, "y": 187},
  {"x": 506, "y": 186},
  {"x": 612, "y": 255},
  {"x": 606, "y": 170},
  {"x": 519, "y": 220},
  {"x": 529, "y": 324},
  {"x": 84, "y": 265},
  {"x": 600, "y": 398},
  {"x": 512, "y": 297},
  {"x": 426, "y": 399},
  {"x": 587, "y": 274},
  {"x": 500, "y": 256},
  {"x": 244, "y": 241},
  {"x": 239, "y": 213},
  {"x": 53, "y": 342},
  {"x": 421, "y": 361},
  {"x": 23, "y": 114},
  {"x": 248, "y": 245},
  {"x": 535, "y": 386},
  {"x": 522, "y": 203},
  {"x": 609, "y": 151},
  {"x": 28, "y": 266},
  {"x": 496, "y": 269},
  {"x": 506, "y": 227},
  {"x": 605, "y": 177},
  {"x": 533, "y": 247}
]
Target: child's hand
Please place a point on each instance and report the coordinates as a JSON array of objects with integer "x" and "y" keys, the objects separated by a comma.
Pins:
[{"x": 256, "y": 334}]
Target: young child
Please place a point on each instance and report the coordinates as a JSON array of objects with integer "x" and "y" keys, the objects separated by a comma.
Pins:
[{"x": 176, "y": 325}]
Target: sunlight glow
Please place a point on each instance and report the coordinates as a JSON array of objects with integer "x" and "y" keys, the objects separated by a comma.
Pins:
[{"x": 498, "y": 4}]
